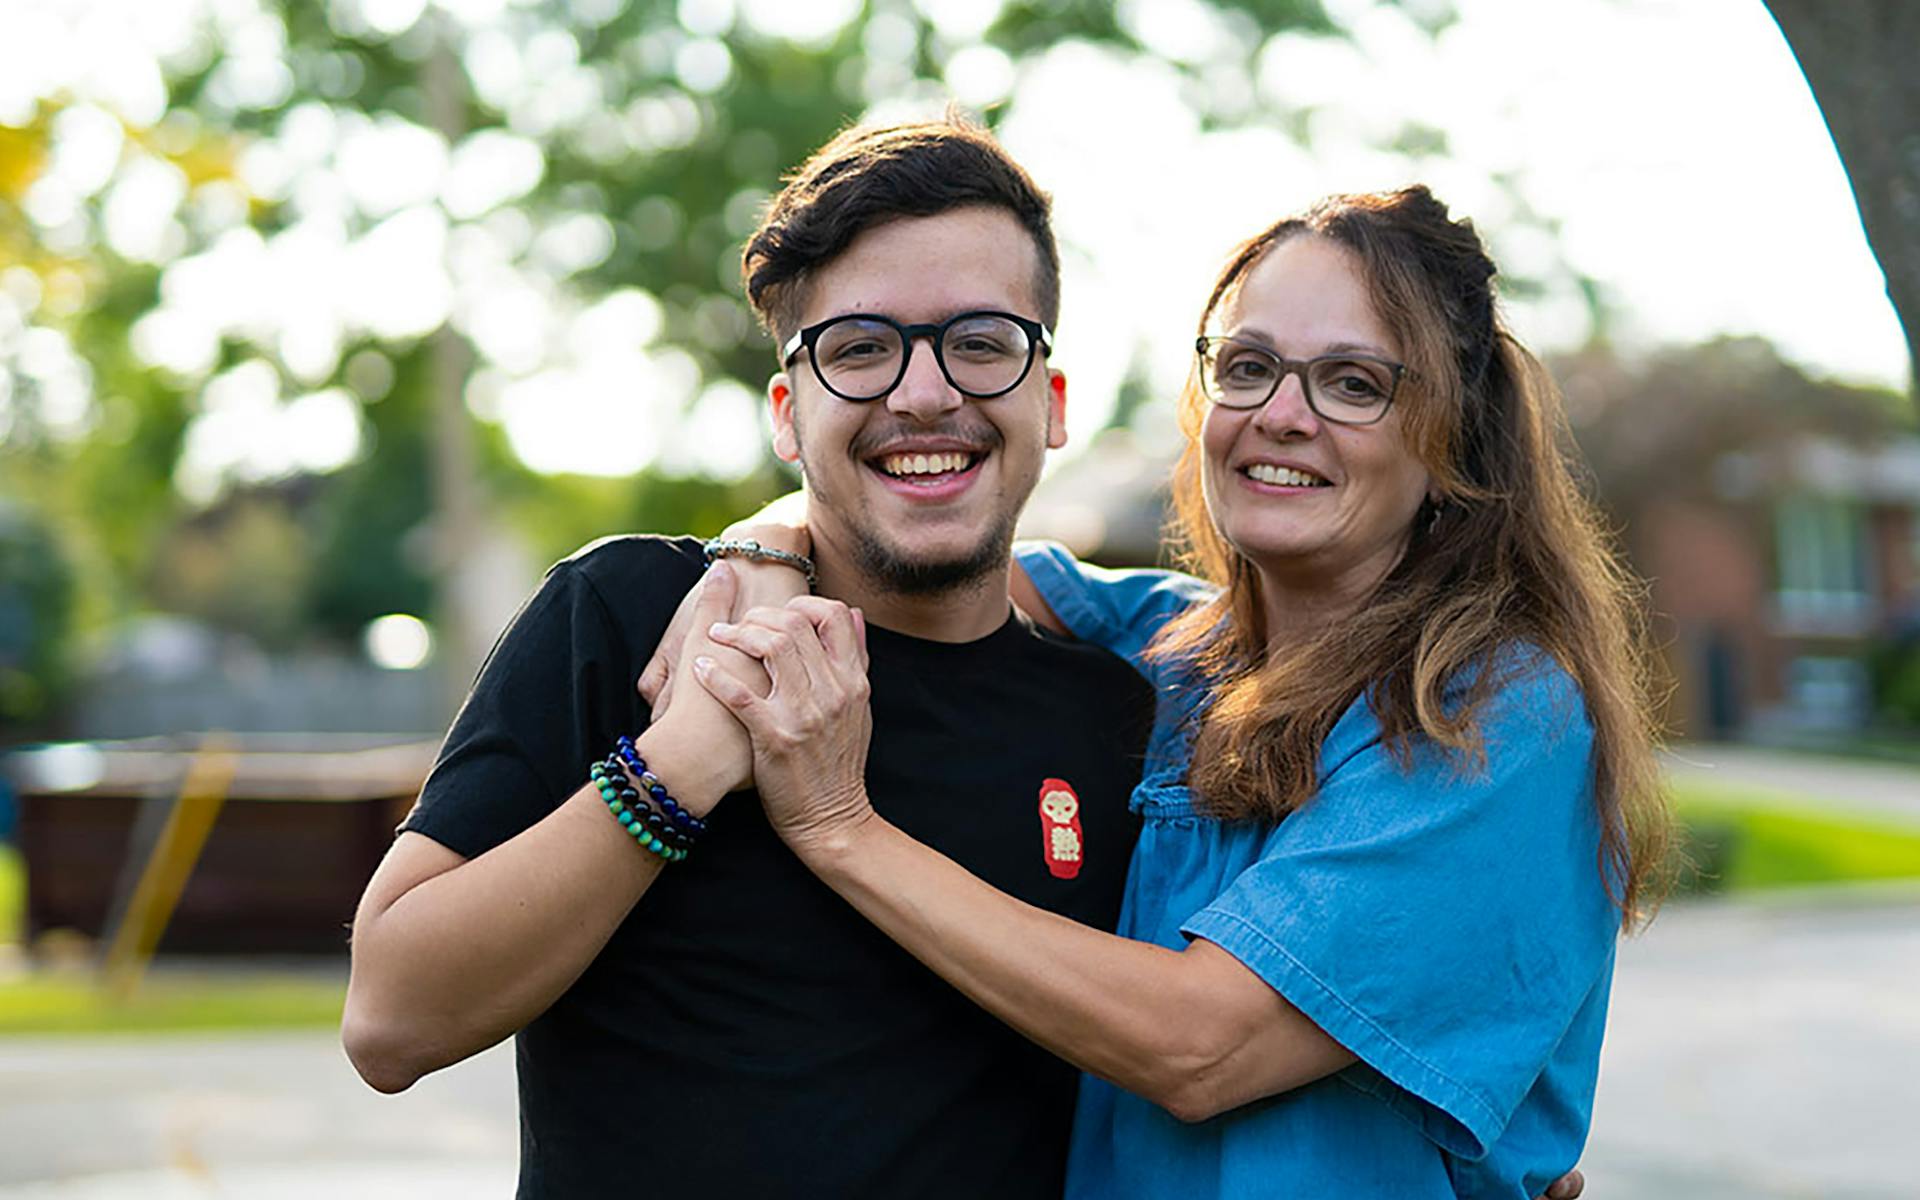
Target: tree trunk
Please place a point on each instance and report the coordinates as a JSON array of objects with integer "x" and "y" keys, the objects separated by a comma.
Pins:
[
  {"x": 463, "y": 634},
  {"x": 1859, "y": 59}
]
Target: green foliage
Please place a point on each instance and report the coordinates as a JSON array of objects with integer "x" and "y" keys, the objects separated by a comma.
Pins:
[
  {"x": 292, "y": 559},
  {"x": 564, "y": 512},
  {"x": 1894, "y": 671},
  {"x": 245, "y": 566},
  {"x": 370, "y": 527},
  {"x": 36, "y": 616},
  {"x": 1739, "y": 841}
]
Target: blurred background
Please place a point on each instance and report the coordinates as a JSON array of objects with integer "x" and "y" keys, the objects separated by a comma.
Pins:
[{"x": 325, "y": 327}]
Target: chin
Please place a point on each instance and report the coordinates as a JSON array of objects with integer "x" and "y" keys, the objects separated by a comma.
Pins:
[{"x": 930, "y": 570}]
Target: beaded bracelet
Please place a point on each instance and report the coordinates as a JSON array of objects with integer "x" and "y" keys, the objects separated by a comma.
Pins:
[
  {"x": 636, "y": 816},
  {"x": 646, "y": 817},
  {"x": 636, "y": 769}
]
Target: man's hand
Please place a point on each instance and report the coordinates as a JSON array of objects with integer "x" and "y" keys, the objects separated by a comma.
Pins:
[
  {"x": 694, "y": 717},
  {"x": 810, "y": 733},
  {"x": 761, "y": 584},
  {"x": 1567, "y": 1187}
]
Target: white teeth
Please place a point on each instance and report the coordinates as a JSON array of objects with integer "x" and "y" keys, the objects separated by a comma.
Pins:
[
  {"x": 924, "y": 464},
  {"x": 1283, "y": 476}
]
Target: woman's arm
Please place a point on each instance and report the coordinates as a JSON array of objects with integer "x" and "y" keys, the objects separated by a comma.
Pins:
[
  {"x": 1194, "y": 1031},
  {"x": 1027, "y": 598}
]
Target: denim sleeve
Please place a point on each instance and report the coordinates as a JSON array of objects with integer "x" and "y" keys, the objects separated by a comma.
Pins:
[
  {"x": 1447, "y": 923},
  {"x": 1117, "y": 610}
]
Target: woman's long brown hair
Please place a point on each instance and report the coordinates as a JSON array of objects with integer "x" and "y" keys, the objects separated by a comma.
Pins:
[{"x": 1515, "y": 555}]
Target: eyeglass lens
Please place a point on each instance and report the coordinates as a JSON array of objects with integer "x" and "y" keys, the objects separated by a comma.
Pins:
[
  {"x": 863, "y": 358},
  {"x": 1339, "y": 388}
]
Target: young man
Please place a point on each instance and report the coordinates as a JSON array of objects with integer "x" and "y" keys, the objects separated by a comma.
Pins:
[{"x": 725, "y": 1025}]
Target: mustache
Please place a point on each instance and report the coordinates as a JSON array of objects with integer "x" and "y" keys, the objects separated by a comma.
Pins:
[{"x": 873, "y": 443}]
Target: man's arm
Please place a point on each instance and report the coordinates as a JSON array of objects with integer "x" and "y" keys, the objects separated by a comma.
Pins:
[{"x": 451, "y": 954}]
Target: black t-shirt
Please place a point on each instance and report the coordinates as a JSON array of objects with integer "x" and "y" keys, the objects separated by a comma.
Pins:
[{"x": 745, "y": 1032}]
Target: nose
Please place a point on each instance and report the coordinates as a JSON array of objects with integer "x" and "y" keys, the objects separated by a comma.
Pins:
[
  {"x": 923, "y": 392},
  {"x": 1286, "y": 414}
]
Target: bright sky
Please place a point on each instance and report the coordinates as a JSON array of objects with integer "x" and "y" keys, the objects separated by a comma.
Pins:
[{"x": 1673, "y": 141}]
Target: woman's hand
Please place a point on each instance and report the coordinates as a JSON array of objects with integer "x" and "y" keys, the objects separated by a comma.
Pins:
[{"x": 810, "y": 733}]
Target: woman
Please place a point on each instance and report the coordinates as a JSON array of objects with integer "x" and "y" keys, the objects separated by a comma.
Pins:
[{"x": 1401, "y": 792}]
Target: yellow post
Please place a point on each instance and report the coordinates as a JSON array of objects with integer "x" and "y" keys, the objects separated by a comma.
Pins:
[{"x": 170, "y": 865}]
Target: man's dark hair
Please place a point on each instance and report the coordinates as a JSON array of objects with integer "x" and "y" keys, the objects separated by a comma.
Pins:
[{"x": 867, "y": 176}]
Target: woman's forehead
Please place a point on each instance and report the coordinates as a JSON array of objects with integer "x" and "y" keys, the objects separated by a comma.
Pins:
[{"x": 1306, "y": 295}]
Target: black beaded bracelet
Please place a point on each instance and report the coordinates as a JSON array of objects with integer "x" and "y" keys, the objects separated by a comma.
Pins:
[
  {"x": 636, "y": 814},
  {"x": 656, "y": 815},
  {"x": 656, "y": 791}
]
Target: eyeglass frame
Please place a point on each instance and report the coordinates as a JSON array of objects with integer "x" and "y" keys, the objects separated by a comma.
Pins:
[
  {"x": 1297, "y": 366},
  {"x": 1039, "y": 338}
]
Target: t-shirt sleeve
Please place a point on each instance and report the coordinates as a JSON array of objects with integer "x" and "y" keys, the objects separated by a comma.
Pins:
[
  {"x": 1117, "y": 610},
  {"x": 1445, "y": 924},
  {"x": 554, "y": 693}
]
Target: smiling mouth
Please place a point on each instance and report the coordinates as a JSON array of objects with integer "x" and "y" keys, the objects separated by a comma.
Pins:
[
  {"x": 1282, "y": 476},
  {"x": 926, "y": 468}
]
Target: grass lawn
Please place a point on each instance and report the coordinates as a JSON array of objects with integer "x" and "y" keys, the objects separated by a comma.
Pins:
[
  {"x": 1741, "y": 840},
  {"x": 168, "y": 1001},
  {"x": 13, "y": 894}
]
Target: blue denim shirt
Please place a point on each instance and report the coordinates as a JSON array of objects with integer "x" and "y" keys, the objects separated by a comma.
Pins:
[{"x": 1448, "y": 925}]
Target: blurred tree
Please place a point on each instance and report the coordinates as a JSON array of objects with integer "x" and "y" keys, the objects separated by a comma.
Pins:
[
  {"x": 1663, "y": 426},
  {"x": 36, "y": 618},
  {"x": 1858, "y": 59},
  {"x": 565, "y": 183},
  {"x": 244, "y": 565}
]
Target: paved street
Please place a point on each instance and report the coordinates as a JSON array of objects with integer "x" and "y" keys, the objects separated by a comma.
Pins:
[
  {"x": 1758, "y": 1050},
  {"x": 1874, "y": 789},
  {"x": 277, "y": 1116},
  {"x": 1765, "y": 1049}
]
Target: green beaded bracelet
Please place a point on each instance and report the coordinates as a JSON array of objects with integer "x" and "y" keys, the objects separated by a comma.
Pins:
[{"x": 625, "y": 813}]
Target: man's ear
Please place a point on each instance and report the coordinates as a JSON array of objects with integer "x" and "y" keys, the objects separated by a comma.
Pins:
[
  {"x": 1056, "y": 409},
  {"x": 786, "y": 446}
]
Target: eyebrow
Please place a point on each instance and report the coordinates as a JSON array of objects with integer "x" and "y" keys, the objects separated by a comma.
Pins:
[{"x": 1258, "y": 338}]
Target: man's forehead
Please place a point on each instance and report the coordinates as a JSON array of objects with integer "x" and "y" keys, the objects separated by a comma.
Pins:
[{"x": 929, "y": 268}]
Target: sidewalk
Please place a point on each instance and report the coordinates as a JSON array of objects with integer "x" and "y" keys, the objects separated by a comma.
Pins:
[
  {"x": 278, "y": 1116},
  {"x": 1859, "y": 786},
  {"x": 1764, "y": 1048}
]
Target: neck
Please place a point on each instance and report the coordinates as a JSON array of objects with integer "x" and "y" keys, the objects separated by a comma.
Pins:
[
  {"x": 964, "y": 613},
  {"x": 1300, "y": 601}
]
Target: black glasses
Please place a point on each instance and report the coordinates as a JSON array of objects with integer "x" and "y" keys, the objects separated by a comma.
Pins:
[
  {"x": 1347, "y": 389},
  {"x": 863, "y": 356}
]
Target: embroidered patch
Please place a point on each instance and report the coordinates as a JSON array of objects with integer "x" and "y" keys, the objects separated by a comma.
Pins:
[{"x": 1060, "y": 838}]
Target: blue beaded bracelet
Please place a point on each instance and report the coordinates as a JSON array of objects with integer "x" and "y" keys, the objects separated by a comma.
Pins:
[
  {"x": 636, "y": 816},
  {"x": 659, "y": 824},
  {"x": 653, "y": 802},
  {"x": 636, "y": 768}
]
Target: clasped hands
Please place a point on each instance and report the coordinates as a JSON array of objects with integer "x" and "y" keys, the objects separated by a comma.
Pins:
[{"x": 807, "y": 734}]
